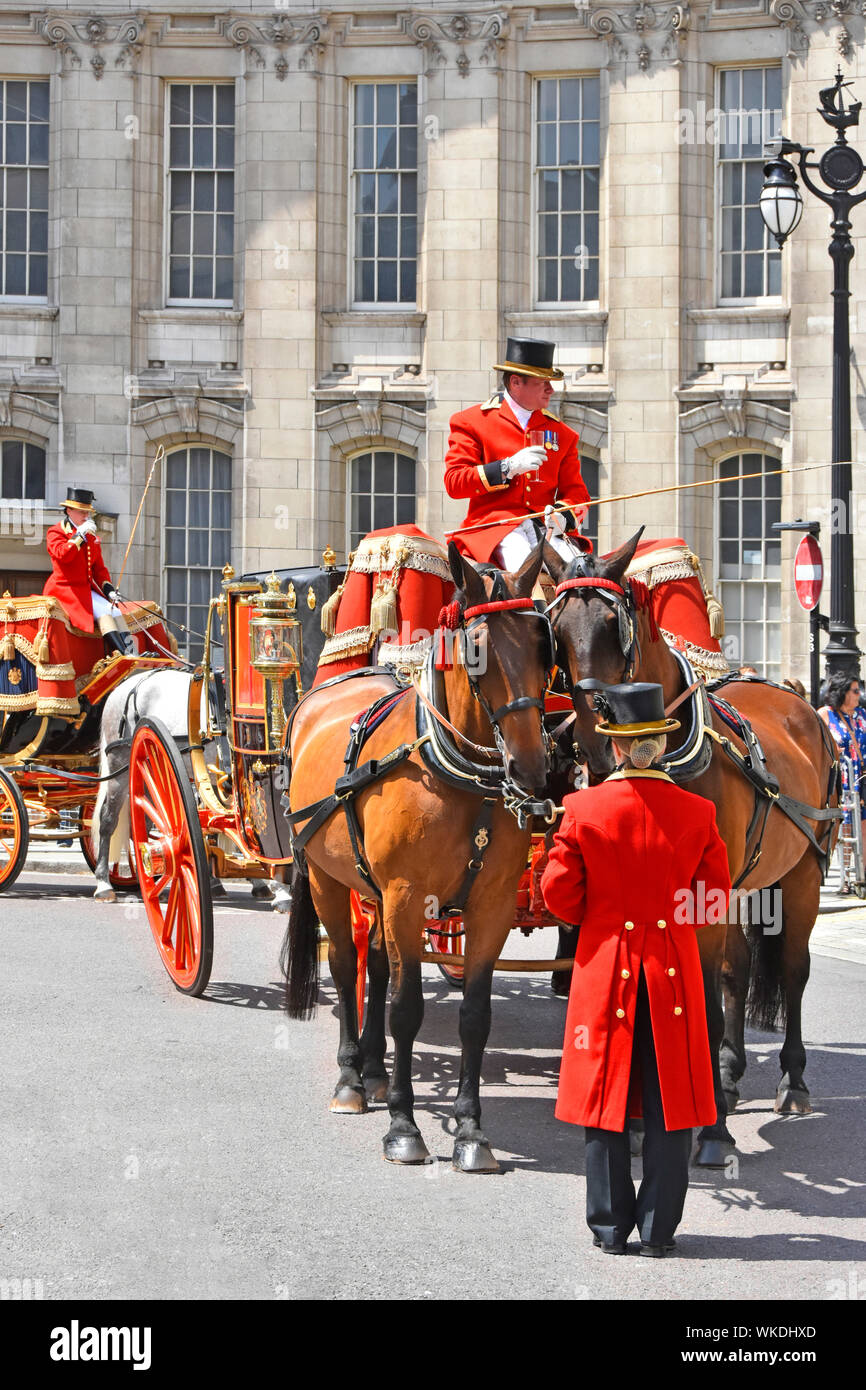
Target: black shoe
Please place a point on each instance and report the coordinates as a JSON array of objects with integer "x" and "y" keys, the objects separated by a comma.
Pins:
[
  {"x": 657, "y": 1252},
  {"x": 616, "y": 1247},
  {"x": 113, "y": 642}
]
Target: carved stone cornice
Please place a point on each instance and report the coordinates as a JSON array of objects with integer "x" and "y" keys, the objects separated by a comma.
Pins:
[
  {"x": 793, "y": 15},
  {"x": 439, "y": 36},
  {"x": 250, "y": 36},
  {"x": 642, "y": 22},
  {"x": 120, "y": 35}
]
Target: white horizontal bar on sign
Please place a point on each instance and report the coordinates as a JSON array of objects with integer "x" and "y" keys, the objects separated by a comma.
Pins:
[{"x": 808, "y": 571}]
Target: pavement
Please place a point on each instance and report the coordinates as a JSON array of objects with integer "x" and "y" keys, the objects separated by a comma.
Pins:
[{"x": 154, "y": 1146}]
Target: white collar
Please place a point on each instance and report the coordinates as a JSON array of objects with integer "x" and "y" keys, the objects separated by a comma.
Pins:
[{"x": 521, "y": 415}]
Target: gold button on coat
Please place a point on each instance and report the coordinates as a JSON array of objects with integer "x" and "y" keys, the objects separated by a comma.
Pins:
[
  {"x": 620, "y": 1013},
  {"x": 662, "y": 922},
  {"x": 629, "y": 926},
  {"x": 625, "y": 974},
  {"x": 678, "y": 1010},
  {"x": 672, "y": 971}
]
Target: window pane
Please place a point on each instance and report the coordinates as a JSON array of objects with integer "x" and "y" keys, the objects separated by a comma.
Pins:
[
  {"x": 363, "y": 470},
  {"x": 569, "y": 99},
  {"x": 364, "y": 147},
  {"x": 202, "y": 278},
  {"x": 179, "y": 146},
  {"x": 225, "y": 192},
  {"x": 39, "y": 101},
  {"x": 385, "y": 138},
  {"x": 547, "y": 101},
  {"x": 175, "y": 547},
  {"x": 387, "y": 282},
  {"x": 178, "y": 278},
  {"x": 225, "y": 148},
  {"x": 176, "y": 469},
  {"x": 407, "y": 281},
  {"x": 38, "y": 275},
  {"x": 225, "y": 104},
  {"x": 405, "y": 474},
  {"x": 203, "y": 234},
  {"x": 386, "y": 104},
  {"x": 39, "y": 144},
  {"x": 202, "y": 148},
  {"x": 16, "y": 274},
  {"x": 387, "y": 236},
  {"x": 175, "y": 508},
  {"x": 364, "y": 104},
  {"x": 222, "y": 471},
  {"x": 202, "y": 104},
  {"x": 384, "y": 474},
  {"x": 203, "y": 192}
]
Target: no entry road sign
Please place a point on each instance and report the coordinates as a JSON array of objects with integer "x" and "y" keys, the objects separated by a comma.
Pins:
[{"x": 808, "y": 573}]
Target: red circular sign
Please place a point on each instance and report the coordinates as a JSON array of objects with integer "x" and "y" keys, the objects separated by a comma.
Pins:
[{"x": 808, "y": 573}]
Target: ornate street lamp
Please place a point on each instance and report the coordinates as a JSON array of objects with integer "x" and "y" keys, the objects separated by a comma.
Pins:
[{"x": 841, "y": 169}]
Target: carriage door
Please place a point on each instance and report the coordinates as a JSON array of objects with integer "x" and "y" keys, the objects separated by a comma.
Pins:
[
  {"x": 749, "y": 563},
  {"x": 198, "y": 534}
]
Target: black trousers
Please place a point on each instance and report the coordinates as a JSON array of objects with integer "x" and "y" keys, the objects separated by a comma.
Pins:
[{"x": 612, "y": 1208}]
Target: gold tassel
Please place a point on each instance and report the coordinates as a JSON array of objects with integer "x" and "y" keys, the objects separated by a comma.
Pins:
[
  {"x": 716, "y": 615},
  {"x": 7, "y": 650},
  {"x": 383, "y": 609},
  {"x": 43, "y": 651},
  {"x": 330, "y": 608}
]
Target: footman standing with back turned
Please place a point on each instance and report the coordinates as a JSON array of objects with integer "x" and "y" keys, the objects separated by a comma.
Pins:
[{"x": 638, "y": 864}]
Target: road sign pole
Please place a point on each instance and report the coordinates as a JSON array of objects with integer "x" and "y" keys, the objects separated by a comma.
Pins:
[{"x": 814, "y": 656}]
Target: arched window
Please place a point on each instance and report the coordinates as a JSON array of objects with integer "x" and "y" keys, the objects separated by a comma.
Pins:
[
  {"x": 23, "y": 470},
  {"x": 589, "y": 470},
  {"x": 381, "y": 492},
  {"x": 198, "y": 534},
  {"x": 749, "y": 563}
]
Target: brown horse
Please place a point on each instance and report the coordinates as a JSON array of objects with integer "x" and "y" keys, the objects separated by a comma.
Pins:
[
  {"x": 423, "y": 840},
  {"x": 766, "y": 850}
]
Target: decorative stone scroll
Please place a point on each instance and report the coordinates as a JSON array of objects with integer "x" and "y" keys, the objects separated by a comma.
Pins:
[
  {"x": 438, "y": 36},
  {"x": 119, "y": 34},
  {"x": 642, "y": 21},
  {"x": 251, "y": 36}
]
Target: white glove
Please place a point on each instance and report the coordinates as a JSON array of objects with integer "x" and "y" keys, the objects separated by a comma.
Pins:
[
  {"x": 554, "y": 521},
  {"x": 524, "y": 461},
  {"x": 87, "y": 528},
  {"x": 113, "y": 596}
]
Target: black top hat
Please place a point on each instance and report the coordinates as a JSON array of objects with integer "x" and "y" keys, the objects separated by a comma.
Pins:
[
  {"x": 633, "y": 711},
  {"x": 80, "y": 497},
  {"x": 530, "y": 357}
]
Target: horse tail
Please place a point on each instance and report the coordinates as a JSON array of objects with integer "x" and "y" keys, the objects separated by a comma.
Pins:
[
  {"x": 765, "y": 1002},
  {"x": 299, "y": 954}
]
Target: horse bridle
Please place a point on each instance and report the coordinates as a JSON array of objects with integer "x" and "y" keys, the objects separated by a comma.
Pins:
[{"x": 621, "y": 599}]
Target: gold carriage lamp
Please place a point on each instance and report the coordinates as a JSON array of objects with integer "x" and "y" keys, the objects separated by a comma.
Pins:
[{"x": 275, "y": 633}]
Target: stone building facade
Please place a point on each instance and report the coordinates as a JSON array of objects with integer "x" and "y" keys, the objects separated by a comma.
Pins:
[{"x": 288, "y": 243}]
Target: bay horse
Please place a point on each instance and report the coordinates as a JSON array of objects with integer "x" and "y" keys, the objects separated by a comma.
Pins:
[
  {"x": 604, "y": 630},
  {"x": 416, "y": 833}
]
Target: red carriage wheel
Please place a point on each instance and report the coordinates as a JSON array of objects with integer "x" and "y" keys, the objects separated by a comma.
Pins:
[
  {"x": 170, "y": 857},
  {"x": 121, "y": 874},
  {"x": 451, "y": 942},
  {"x": 14, "y": 831}
]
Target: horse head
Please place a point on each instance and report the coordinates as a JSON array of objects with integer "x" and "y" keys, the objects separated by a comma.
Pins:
[
  {"x": 505, "y": 654},
  {"x": 594, "y": 629}
]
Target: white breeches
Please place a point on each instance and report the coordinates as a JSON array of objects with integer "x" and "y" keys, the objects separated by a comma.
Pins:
[
  {"x": 102, "y": 608},
  {"x": 514, "y": 548}
]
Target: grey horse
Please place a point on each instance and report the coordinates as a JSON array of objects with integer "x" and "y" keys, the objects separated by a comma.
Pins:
[{"x": 162, "y": 695}]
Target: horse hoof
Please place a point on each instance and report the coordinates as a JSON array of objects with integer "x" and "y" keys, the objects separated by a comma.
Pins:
[
  {"x": 635, "y": 1142},
  {"x": 405, "y": 1148},
  {"x": 282, "y": 900},
  {"x": 376, "y": 1090},
  {"x": 348, "y": 1101},
  {"x": 713, "y": 1153},
  {"x": 105, "y": 895},
  {"x": 731, "y": 1098},
  {"x": 217, "y": 889},
  {"x": 260, "y": 890},
  {"x": 792, "y": 1103},
  {"x": 560, "y": 982},
  {"x": 473, "y": 1156}
]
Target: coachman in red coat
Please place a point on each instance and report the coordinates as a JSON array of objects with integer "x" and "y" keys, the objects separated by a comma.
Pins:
[
  {"x": 492, "y": 462},
  {"x": 79, "y": 579},
  {"x": 639, "y": 865}
]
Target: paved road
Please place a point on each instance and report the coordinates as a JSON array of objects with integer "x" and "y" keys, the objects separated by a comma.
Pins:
[{"x": 153, "y": 1146}]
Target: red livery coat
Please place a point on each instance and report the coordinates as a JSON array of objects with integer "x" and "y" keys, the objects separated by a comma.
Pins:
[
  {"x": 488, "y": 432},
  {"x": 77, "y": 569},
  {"x": 620, "y": 861}
]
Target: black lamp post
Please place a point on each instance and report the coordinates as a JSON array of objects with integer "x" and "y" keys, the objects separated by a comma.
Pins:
[{"x": 841, "y": 169}]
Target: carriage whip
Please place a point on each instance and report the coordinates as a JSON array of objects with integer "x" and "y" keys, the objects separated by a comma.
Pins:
[
  {"x": 160, "y": 453},
  {"x": 647, "y": 492}
]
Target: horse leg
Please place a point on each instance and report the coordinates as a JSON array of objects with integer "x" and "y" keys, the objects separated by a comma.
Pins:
[
  {"x": 110, "y": 819},
  {"x": 715, "y": 1141},
  {"x": 472, "y": 1151},
  {"x": 735, "y": 985},
  {"x": 403, "y": 932},
  {"x": 373, "y": 1069},
  {"x": 801, "y": 891},
  {"x": 331, "y": 901},
  {"x": 560, "y": 980}
]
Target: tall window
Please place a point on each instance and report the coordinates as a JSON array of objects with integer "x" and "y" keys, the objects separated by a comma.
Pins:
[
  {"x": 201, "y": 193},
  {"x": 567, "y": 175},
  {"x": 23, "y": 470},
  {"x": 589, "y": 470},
  {"x": 381, "y": 493},
  {"x": 750, "y": 102},
  {"x": 750, "y": 563},
  {"x": 198, "y": 524},
  {"x": 384, "y": 178},
  {"x": 24, "y": 189}
]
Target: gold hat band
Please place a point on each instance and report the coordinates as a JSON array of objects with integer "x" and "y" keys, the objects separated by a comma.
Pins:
[
  {"x": 654, "y": 726},
  {"x": 546, "y": 373}
]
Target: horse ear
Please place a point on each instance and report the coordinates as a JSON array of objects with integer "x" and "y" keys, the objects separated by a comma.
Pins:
[
  {"x": 525, "y": 577},
  {"x": 554, "y": 563},
  {"x": 616, "y": 564},
  {"x": 455, "y": 560}
]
